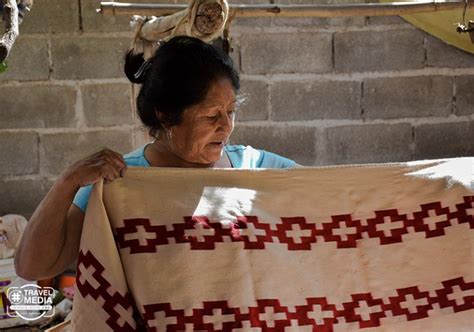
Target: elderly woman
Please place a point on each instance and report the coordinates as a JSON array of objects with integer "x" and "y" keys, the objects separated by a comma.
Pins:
[{"x": 188, "y": 102}]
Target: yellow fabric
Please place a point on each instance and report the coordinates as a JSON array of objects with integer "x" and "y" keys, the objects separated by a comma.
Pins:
[
  {"x": 443, "y": 26},
  {"x": 387, "y": 247}
]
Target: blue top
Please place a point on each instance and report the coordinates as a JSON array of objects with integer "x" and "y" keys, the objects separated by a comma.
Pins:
[{"x": 240, "y": 156}]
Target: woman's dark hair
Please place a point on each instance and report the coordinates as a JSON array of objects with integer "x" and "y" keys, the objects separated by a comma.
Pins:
[{"x": 177, "y": 76}]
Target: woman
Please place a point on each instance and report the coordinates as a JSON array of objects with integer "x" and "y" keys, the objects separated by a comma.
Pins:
[{"x": 188, "y": 101}]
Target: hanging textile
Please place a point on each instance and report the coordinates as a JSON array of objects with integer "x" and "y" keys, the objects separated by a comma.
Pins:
[
  {"x": 388, "y": 247},
  {"x": 442, "y": 25}
]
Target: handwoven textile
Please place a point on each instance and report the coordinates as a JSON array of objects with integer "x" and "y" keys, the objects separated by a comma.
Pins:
[{"x": 377, "y": 247}]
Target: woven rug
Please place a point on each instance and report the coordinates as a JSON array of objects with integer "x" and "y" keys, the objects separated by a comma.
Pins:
[{"x": 384, "y": 247}]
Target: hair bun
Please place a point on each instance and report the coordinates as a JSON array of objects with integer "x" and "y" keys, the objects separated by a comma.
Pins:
[{"x": 136, "y": 67}]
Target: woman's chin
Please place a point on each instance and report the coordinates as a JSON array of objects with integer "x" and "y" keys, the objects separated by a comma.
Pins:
[{"x": 213, "y": 155}]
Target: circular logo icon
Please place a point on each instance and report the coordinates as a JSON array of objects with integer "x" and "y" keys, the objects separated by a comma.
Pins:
[{"x": 15, "y": 296}]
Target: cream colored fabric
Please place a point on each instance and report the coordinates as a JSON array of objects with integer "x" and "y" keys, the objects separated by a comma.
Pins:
[
  {"x": 152, "y": 29},
  {"x": 380, "y": 247},
  {"x": 443, "y": 26},
  {"x": 11, "y": 229}
]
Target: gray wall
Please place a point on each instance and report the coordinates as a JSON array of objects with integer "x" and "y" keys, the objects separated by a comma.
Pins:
[{"x": 320, "y": 91}]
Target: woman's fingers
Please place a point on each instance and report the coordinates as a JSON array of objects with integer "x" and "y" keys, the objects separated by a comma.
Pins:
[
  {"x": 105, "y": 164},
  {"x": 116, "y": 162}
]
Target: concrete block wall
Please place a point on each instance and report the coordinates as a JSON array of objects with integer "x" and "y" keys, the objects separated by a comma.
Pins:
[{"x": 321, "y": 91}]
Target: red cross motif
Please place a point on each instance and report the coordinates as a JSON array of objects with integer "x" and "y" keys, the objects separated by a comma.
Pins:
[
  {"x": 89, "y": 277},
  {"x": 457, "y": 294},
  {"x": 343, "y": 230},
  {"x": 432, "y": 219},
  {"x": 388, "y": 226},
  {"x": 91, "y": 282},
  {"x": 412, "y": 303},
  {"x": 465, "y": 211},
  {"x": 200, "y": 234},
  {"x": 217, "y": 316},
  {"x": 252, "y": 232},
  {"x": 320, "y": 314},
  {"x": 160, "y": 317},
  {"x": 296, "y": 232},
  {"x": 140, "y": 236},
  {"x": 364, "y": 309}
]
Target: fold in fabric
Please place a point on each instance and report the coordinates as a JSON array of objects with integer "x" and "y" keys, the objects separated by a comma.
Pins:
[{"x": 384, "y": 247}]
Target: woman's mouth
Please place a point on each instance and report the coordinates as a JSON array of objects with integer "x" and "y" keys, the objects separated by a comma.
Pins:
[{"x": 218, "y": 144}]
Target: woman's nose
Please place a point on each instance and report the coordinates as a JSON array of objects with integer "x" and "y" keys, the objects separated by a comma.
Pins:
[{"x": 226, "y": 122}]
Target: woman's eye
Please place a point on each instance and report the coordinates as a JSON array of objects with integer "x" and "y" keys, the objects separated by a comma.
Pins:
[{"x": 212, "y": 117}]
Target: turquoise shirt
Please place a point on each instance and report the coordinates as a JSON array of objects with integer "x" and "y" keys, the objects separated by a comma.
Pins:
[{"x": 240, "y": 156}]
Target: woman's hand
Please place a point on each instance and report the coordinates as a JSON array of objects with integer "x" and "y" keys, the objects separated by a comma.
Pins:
[{"x": 105, "y": 164}]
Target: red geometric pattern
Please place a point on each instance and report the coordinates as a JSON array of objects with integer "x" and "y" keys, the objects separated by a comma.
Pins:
[
  {"x": 271, "y": 315},
  {"x": 122, "y": 316},
  {"x": 388, "y": 226}
]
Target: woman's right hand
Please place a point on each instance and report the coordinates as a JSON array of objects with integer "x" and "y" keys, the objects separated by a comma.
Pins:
[{"x": 105, "y": 164}]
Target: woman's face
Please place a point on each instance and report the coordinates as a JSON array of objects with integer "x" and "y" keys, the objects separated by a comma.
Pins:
[{"x": 206, "y": 127}]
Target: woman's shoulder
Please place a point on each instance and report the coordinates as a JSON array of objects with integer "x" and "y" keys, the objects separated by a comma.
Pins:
[
  {"x": 248, "y": 157},
  {"x": 136, "y": 157}
]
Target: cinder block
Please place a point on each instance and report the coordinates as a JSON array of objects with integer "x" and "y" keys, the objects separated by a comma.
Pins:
[
  {"x": 249, "y": 2},
  {"x": 254, "y": 22},
  {"x": 444, "y": 140},
  {"x": 52, "y": 16},
  {"x": 286, "y": 53},
  {"x": 315, "y": 100},
  {"x": 321, "y": 22},
  {"x": 28, "y": 60},
  {"x": 235, "y": 55},
  {"x": 97, "y": 22},
  {"x": 18, "y": 153},
  {"x": 358, "y": 51},
  {"x": 255, "y": 102},
  {"x": 440, "y": 54},
  {"x": 297, "y": 143},
  {"x": 21, "y": 196},
  {"x": 374, "y": 143},
  {"x": 107, "y": 104},
  {"x": 386, "y": 20},
  {"x": 58, "y": 151},
  {"x": 91, "y": 57},
  {"x": 464, "y": 95},
  {"x": 407, "y": 97},
  {"x": 40, "y": 106},
  {"x": 251, "y": 22},
  {"x": 318, "y": 21}
]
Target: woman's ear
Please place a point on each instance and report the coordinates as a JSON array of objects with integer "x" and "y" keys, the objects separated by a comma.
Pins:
[{"x": 162, "y": 119}]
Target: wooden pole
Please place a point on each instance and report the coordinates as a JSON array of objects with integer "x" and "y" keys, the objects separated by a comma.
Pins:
[
  {"x": 270, "y": 10},
  {"x": 10, "y": 14}
]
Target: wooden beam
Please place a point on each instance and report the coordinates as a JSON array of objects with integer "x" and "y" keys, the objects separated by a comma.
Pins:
[{"x": 270, "y": 10}]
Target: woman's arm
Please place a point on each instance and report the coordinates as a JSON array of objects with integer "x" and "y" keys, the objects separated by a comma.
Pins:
[
  {"x": 44, "y": 242},
  {"x": 50, "y": 242}
]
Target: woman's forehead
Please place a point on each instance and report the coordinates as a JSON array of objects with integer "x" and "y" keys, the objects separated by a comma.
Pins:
[{"x": 220, "y": 92}]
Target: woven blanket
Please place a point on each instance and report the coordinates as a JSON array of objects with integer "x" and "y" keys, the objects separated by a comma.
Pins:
[{"x": 376, "y": 247}]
